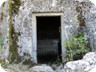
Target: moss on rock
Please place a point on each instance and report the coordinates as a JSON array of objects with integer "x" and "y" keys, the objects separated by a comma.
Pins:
[
  {"x": 13, "y": 46},
  {"x": 13, "y": 36},
  {"x": 80, "y": 17},
  {"x": 15, "y": 6}
]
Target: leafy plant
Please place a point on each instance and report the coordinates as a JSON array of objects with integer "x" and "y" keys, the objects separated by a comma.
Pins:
[{"x": 76, "y": 46}]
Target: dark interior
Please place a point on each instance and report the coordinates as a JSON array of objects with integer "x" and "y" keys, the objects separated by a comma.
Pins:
[{"x": 48, "y": 38}]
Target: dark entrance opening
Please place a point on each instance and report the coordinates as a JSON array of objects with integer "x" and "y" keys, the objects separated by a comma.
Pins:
[{"x": 48, "y": 38}]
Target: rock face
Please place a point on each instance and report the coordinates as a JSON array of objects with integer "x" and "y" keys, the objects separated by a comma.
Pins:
[
  {"x": 42, "y": 68},
  {"x": 93, "y": 70},
  {"x": 90, "y": 58},
  {"x": 23, "y": 23},
  {"x": 87, "y": 64},
  {"x": 4, "y": 30},
  {"x": 76, "y": 66}
]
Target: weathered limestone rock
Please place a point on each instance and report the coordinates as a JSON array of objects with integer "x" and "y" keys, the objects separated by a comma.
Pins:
[
  {"x": 76, "y": 66},
  {"x": 4, "y": 31},
  {"x": 42, "y": 68},
  {"x": 90, "y": 58},
  {"x": 88, "y": 63},
  {"x": 93, "y": 70},
  {"x": 23, "y": 22}
]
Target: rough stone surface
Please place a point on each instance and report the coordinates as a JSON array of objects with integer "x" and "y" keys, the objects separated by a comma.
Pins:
[
  {"x": 90, "y": 58},
  {"x": 23, "y": 21},
  {"x": 42, "y": 68},
  {"x": 87, "y": 64},
  {"x": 76, "y": 66},
  {"x": 4, "y": 30},
  {"x": 93, "y": 70}
]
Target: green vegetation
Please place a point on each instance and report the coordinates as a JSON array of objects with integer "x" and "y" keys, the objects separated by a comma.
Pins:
[{"x": 76, "y": 47}]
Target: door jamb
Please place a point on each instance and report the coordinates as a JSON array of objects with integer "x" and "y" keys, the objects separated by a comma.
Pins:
[{"x": 34, "y": 33}]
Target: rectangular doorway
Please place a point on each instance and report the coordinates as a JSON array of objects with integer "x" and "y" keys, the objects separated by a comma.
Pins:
[{"x": 48, "y": 38}]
